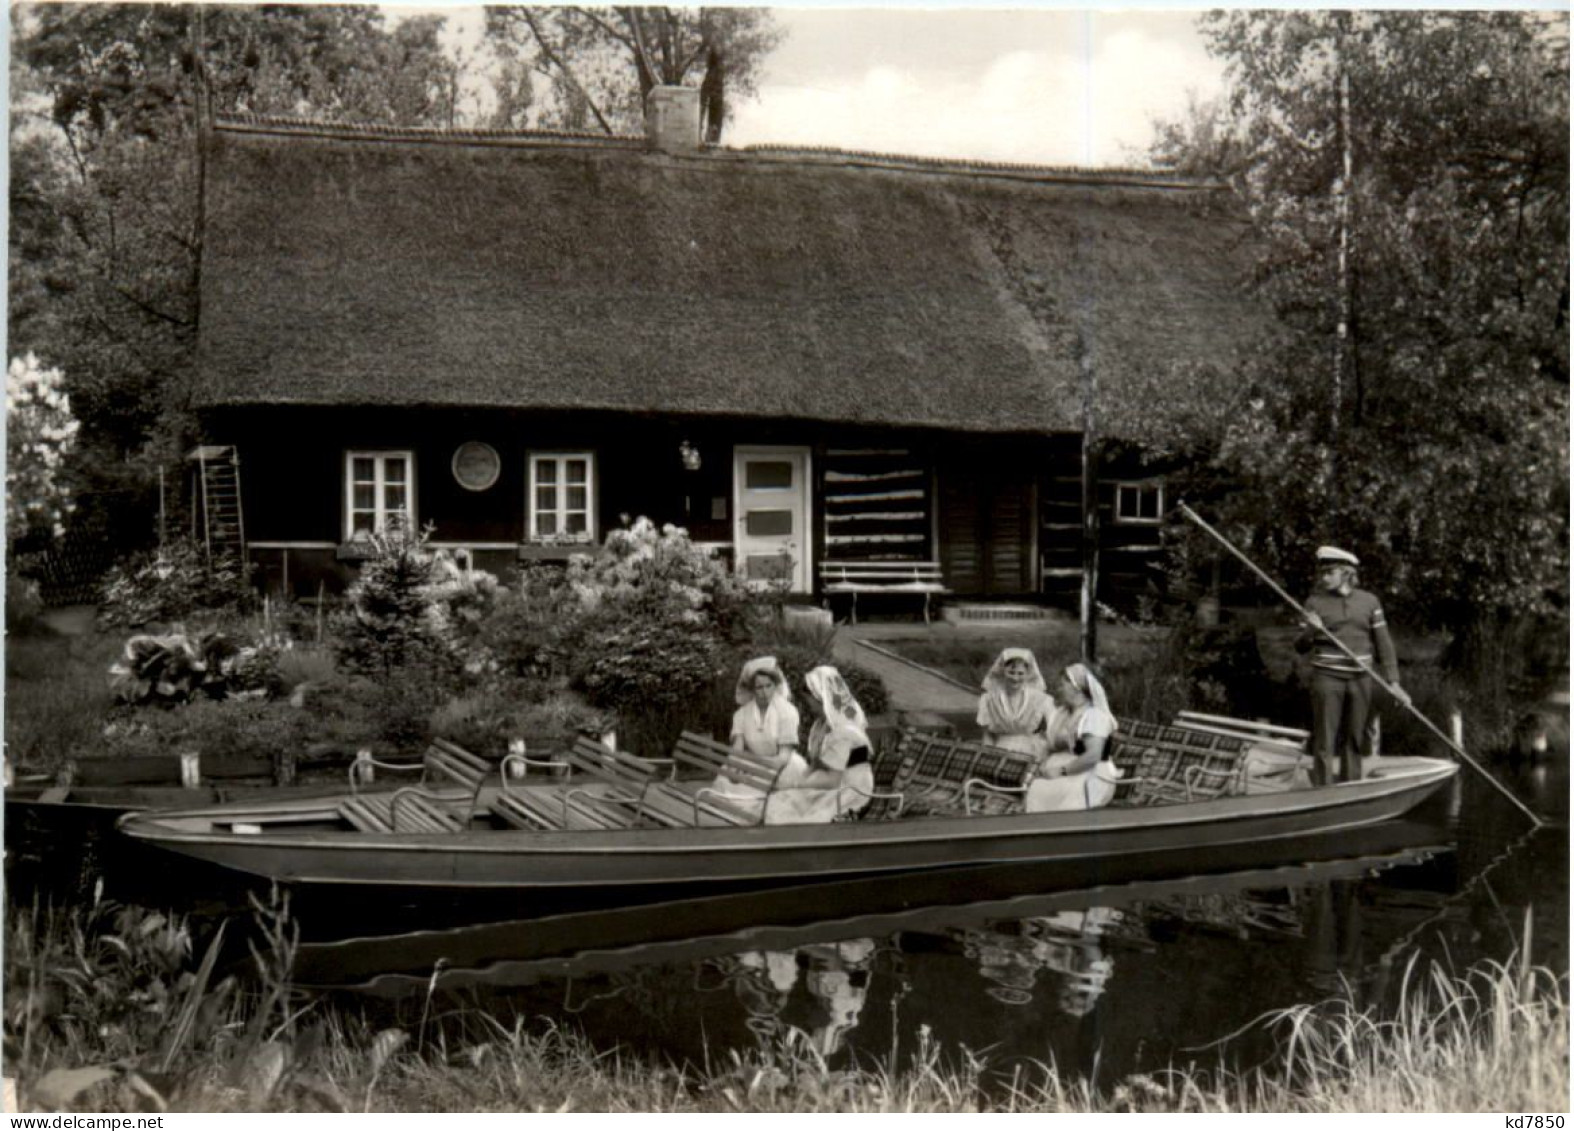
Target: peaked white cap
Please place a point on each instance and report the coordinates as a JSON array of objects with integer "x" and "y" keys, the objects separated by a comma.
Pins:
[{"x": 1336, "y": 555}]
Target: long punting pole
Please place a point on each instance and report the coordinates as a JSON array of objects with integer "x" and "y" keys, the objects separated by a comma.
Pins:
[{"x": 1362, "y": 664}]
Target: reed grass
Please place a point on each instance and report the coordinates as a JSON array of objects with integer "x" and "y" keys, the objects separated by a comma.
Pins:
[{"x": 110, "y": 1008}]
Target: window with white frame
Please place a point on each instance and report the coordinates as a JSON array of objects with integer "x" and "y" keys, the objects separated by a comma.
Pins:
[
  {"x": 1140, "y": 502},
  {"x": 562, "y": 497},
  {"x": 379, "y": 491}
]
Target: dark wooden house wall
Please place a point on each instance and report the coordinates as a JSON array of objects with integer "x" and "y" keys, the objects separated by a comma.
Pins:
[{"x": 1001, "y": 514}]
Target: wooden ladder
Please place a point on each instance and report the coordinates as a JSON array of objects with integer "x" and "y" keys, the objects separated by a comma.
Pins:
[{"x": 218, "y": 479}]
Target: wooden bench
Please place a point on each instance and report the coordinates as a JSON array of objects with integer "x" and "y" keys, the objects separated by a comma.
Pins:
[
  {"x": 403, "y": 810},
  {"x": 668, "y": 803},
  {"x": 556, "y": 809},
  {"x": 893, "y": 578},
  {"x": 442, "y": 762},
  {"x": 623, "y": 780},
  {"x": 1294, "y": 738}
]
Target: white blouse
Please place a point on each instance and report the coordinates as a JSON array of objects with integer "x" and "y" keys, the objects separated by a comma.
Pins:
[{"x": 764, "y": 733}]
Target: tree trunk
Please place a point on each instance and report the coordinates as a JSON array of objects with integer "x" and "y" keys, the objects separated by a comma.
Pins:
[
  {"x": 1090, "y": 510},
  {"x": 713, "y": 96}
]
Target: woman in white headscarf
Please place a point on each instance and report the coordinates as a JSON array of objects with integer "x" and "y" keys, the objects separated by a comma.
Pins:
[
  {"x": 766, "y": 722},
  {"x": 1015, "y": 711},
  {"x": 1076, "y": 775},
  {"x": 837, "y": 778}
]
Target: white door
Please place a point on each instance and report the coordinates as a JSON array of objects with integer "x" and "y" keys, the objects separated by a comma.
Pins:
[{"x": 771, "y": 501}]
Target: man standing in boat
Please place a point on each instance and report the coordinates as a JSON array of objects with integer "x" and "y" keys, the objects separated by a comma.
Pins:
[{"x": 1341, "y": 686}]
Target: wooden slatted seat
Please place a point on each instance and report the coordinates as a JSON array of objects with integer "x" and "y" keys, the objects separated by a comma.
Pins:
[
  {"x": 668, "y": 803},
  {"x": 443, "y": 762},
  {"x": 532, "y": 807},
  {"x": 403, "y": 810},
  {"x": 712, "y": 758},
  {"x": 623, "y": 780},
  {"x": 445, "y": 759},
  {"x": 891, "y": 577},
  {"x": 1296, "y": 738}
]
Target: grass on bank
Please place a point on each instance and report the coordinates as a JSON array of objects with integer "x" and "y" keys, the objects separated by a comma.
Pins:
[{"x": 117, "y": 1008}]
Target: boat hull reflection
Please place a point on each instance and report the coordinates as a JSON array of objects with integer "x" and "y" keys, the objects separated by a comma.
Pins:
[{"x": 526, "y": 951}]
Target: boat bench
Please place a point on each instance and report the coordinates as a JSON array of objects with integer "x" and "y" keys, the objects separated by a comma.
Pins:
[
  {"x": 1168, "y": 765},
  {"x": 667, "y": 803},
  {"x": 920, "y": 578},
  {"x": 403, "y": 810},
  {"x": 443, "y": 761},
  {"x": 532, "y": 807},
  {"x": 1291, "y": 738},
  {"x": 935, "y": 775},
  {"x": 624, "y": 778}
]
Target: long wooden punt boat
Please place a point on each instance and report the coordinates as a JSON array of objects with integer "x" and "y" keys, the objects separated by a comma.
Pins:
[{"x": 317, "y": 841}]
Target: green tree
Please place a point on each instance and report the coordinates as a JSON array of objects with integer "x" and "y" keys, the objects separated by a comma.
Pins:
[
  {"x": 599, "y": 64},
  {"x": 105, "y": 224},
  {"x": 1432, "y": 432}
]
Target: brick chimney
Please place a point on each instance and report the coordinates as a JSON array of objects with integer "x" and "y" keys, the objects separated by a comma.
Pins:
[{"x": 672, "y": 119}]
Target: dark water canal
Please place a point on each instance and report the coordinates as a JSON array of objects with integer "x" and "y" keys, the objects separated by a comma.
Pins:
[{"x": 1099, "y": 972}]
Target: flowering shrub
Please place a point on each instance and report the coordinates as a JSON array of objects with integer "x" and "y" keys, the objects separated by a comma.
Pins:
[
  {"x": 40, "y": 433},
  {"x": 175, "y": 583},
  {"x": 660, "y": 571},
  {"x": 644, "y": 630}
]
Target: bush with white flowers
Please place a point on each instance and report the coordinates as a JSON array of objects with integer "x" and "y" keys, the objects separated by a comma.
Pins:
[{"x": 40, "y": 433}]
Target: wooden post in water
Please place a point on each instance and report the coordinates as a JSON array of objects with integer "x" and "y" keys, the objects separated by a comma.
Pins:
[{"x": 1456, "y": 726}]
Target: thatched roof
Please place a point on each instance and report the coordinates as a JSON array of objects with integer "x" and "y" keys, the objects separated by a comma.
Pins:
[{"x": 345, "y": 265}]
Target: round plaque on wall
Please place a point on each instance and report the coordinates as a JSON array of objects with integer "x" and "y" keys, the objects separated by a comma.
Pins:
[{"x": 476, "y": 465}]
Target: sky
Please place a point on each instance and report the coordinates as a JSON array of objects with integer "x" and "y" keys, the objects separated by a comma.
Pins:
[
  {"x": 1043, "y": 86},
  {"x": 1052, "y": 87}
]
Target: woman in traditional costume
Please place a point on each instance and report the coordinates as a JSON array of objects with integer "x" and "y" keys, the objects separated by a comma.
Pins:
[
  {"x": 766, "y": 722},
  {"x": 1015, "y": 709},
  {"x": 1076, "y": 774},
  {"x": 837, "y": 777}
]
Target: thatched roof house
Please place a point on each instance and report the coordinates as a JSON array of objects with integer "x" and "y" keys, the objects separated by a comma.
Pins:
[{"x": 369, "y": 290}]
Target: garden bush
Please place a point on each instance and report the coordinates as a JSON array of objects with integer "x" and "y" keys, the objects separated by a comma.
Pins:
[
  {"x": 178, "y": 667},
  {"x": 24, "y": 605},
  {"x": 527, "y": 627},
  {"x": 486, "y": 721},
  {"x": 270, "y": 732},
  {"x": 650, "y": 631},
  {"x": 178, "y": 582},
  {"x": 661, "y": 573},
  {"x": 414, "y": 607}
]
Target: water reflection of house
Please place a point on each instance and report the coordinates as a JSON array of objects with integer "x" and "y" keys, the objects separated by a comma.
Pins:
[{"x": 518, "y": 337}]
